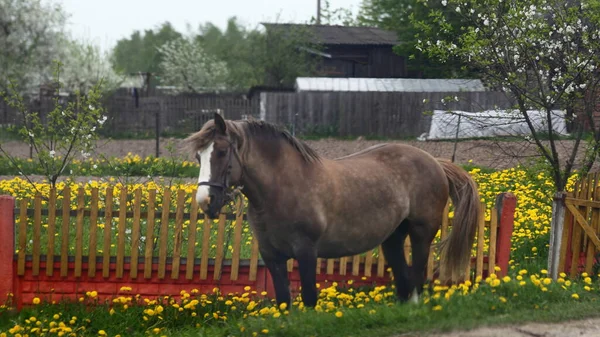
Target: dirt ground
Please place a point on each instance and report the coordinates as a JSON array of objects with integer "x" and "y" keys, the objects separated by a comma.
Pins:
[
  {"x": 579, "y": 328},
  {"x": 492, "y": 154}
]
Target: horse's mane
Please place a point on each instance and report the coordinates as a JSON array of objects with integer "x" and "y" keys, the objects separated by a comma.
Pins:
[
  {"x": 253, "y": 128},
  {"x": 272, "y": 132}
]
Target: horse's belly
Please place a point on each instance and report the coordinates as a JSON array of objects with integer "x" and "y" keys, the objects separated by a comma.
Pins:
[{"x": 352, "y": 241}]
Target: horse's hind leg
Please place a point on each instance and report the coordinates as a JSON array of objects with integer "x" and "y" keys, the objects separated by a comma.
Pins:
[
  {"x": 393, "y": 250},
  {"x": 421, "y": 236}
]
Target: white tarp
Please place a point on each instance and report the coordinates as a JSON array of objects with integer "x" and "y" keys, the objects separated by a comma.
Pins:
[{"x": 491, "y": 123}]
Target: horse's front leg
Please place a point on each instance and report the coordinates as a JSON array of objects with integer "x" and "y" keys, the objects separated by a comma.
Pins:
[
  {"x": 306, "y": 255},
  {"x": 278, "y": 269}
]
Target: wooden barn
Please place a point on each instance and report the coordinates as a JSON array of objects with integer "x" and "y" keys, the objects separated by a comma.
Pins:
[{"x": 351, "y": 51}]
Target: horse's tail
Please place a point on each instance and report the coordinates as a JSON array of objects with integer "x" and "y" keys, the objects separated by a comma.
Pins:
[{"x": 455, "y": 249}]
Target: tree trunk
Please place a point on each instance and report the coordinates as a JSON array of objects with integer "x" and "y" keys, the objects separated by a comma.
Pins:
[{"x": 556, "y": 231}]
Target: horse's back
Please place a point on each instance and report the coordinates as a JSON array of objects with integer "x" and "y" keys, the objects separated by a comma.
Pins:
[{"x": 391, "y": 152}]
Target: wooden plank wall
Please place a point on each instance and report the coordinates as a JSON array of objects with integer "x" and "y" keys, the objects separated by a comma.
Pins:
[
  {"x": 127, "y": 217},
  {"x": 381, "y": 114}
]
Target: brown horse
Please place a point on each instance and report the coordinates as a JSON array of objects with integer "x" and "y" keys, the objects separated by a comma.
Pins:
[{"x": 304, "y": 206}]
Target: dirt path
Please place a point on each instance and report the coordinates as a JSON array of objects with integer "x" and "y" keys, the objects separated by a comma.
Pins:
[
  {"x": 498, "y": 155},
  {"x": 579, "y": 328}
]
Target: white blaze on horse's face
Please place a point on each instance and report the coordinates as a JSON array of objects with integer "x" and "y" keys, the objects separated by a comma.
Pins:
[{"x": 202, "y": 194}]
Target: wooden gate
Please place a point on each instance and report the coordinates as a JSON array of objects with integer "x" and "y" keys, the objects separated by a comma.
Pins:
[{"x": 580, "y": 242}]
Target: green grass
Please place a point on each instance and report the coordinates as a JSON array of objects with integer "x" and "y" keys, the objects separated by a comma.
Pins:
[
  {"x": 128, "y": 166},
  {"x": 507, "y": 303}
]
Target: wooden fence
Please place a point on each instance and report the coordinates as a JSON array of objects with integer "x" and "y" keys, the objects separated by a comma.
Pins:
[
  {"x": 381, "y": 114},
  {"x": 160, "y": 244},
  {"x": 183, "y": 113},
  {"x": 580, "y": 244}
]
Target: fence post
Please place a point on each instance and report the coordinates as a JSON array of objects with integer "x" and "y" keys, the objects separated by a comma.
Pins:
[
  {"x": 556, "y": 233},
  {"x": 505, "y": 204},
  {"x": 7, "y": 248}
]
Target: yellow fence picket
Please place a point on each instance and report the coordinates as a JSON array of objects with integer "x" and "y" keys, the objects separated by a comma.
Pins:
[
  {"x": 380, "y": 263},
  {"x": 253, "y": 260},
  {"x": 206, "y": 228},
  {"x": 121, "y": 231},
  {"x": 135, "y": 233},
  {"x": 480, "y": 241},
  {"x": 51, "y": 232},
  {"x": 330, "y": 266},
  {"x": 368, "y": 263},
  {"x": 66, "y": 222},
  {"x": 220, "y": 246},
  {"x": 107, "y": 232},
  {"x": 164, "y": 234},
  {"x": 37, "y": 228},
  {"x": 191, "y": 253},
  {"x": 493, "y": 239},
  {"x": 148, "y": 252},
  {"x": 79, "y": 231},
  {"x": 93, "y": 233},
  {"x": 237, "y": 242},
  {"x": 177, "y": 240}
]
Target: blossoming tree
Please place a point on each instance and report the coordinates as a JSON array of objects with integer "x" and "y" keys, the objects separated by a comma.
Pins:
[
  {"x": 543, "y": 53},
  {"x": 69, "y": 129},
  {"x": 188, "y": 66}
]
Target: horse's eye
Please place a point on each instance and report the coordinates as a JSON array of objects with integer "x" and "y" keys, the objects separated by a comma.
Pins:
[{"x": 221, "y": 153}]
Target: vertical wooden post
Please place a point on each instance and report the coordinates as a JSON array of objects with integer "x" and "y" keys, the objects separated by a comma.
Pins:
[
  {"x": 7, "y": 249},
  {"x": 556, "y": 234},
  {"x": 505, "y": 204}
]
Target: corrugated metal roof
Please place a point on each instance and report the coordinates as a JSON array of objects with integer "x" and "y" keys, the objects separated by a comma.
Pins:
[
  {"x": 387, "y": 84},
  {"x": 336, "y": 34}
]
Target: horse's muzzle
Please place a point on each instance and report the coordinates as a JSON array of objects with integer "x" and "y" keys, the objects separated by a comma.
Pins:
[{"x": 215, "y": 203}]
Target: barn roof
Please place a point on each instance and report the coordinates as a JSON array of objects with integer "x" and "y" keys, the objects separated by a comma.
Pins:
[
  {"x": 338, "y": 35},
  {"x": 387, "y": 84}
]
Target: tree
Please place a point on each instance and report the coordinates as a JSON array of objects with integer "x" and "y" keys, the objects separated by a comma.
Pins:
[
  {"x": 545, "y": 54},
  {"x": 407, "y": 19},
  {"x": 187, "y": 65},
  {"x": 30, "y": 32},
  {"x": 255, "y": 57},
  {"x": 139, "y": 53},
  {"x": 288, "y": 53},
  {"x": 84, "y": 66},
  {"x": 240, "y": 48},
  {"x": 338, "y": 16},
  {"x": 69, "y": 129}
]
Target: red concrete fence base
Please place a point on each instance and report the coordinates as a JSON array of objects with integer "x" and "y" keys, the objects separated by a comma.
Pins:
[
  {"x": 7, "y": 246},
  {"x": 506, "y": 203}
]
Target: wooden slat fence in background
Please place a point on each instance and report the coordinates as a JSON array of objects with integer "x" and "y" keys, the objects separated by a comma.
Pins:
[{"x": 382, "y": 114}]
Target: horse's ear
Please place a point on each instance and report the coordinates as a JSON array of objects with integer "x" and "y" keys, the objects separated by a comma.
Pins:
[{"x": 220, "y": 123}]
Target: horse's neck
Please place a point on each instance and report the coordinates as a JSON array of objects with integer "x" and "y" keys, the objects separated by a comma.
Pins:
[{"x": 260, "y": 180}]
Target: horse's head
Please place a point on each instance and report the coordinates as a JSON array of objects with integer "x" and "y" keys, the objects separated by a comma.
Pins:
[{"x": 216, "y": 150}]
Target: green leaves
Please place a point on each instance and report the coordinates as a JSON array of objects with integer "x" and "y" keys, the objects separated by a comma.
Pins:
[
  {"x": 544, "y": 53},
  {"x": 70, "y": 129}
]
